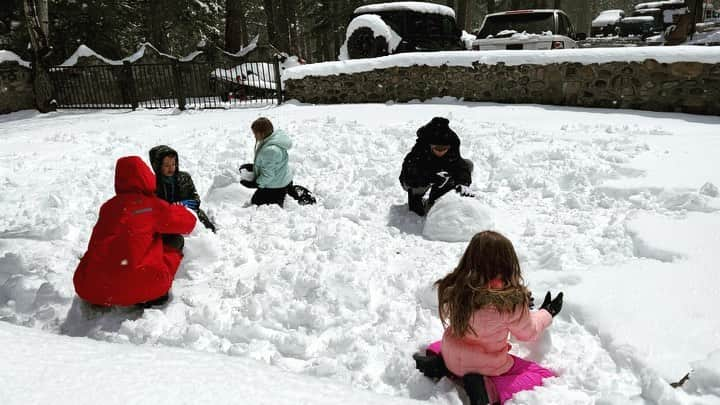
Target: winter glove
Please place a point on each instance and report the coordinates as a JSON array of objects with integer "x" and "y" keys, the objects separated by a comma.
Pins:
[
  {"x": 432, "y": 366},
  {"x": 531, "y": 300},
  {"x": 249, "y": 183},
  {"x": 192, "y": 204},
  {"x": 464, "y": 190},
  {"x": 440, "y": 189},
  {"x": 440, "y": 179},
  {"x": 246, "y": 172},
  {"x": 552, "y": 305}
]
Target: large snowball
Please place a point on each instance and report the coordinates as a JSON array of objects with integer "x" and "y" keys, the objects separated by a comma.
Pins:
[{"x": 456, "y": 219}]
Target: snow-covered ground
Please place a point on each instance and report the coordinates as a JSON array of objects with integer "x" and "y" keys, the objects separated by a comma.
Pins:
[{"x": 617, "y": 208}]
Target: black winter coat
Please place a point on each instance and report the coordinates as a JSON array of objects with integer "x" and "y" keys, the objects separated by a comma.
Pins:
[
  {"x": 421, "y": 164},
  {"x": 182, "y": 188}
]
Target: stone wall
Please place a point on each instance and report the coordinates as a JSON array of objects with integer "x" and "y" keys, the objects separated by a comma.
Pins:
[
  {"x": 16, "y": 88},
  {"x": 691, "y": 87}
]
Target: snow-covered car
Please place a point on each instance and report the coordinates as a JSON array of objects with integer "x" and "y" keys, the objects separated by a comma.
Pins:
[
  {"x": 249, "y": 81},
  {"x": 406, "y": 26},
  {"x": 606, "y": 23},
  {"x": 642, "y": 24},
  {"x": 526, "y": 29}
]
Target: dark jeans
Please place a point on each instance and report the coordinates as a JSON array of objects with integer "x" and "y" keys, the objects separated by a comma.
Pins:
[{"x": 265, "y": 196}]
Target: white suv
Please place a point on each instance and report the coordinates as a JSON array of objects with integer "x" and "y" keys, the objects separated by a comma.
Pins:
[{"x": 526, "y": 29}]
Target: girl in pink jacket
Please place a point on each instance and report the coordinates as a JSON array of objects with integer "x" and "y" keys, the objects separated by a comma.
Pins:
[{"x": 482, "y": 301}]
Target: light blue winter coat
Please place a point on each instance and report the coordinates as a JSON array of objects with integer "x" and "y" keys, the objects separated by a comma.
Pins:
[{"x": 271, "y": 161}]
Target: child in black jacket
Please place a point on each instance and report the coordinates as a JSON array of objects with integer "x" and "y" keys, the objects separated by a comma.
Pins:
[{"x": 435, "y": 163}]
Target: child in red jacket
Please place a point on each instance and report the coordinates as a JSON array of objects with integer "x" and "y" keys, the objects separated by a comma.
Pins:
[
  {"x": 126, "y": 262},
  {"x": 482, "y": 301}
]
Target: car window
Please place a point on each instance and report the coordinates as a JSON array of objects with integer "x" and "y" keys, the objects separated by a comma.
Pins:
[
  {"x": 569, "y": 26},
  {"x": 562, "y": 25},
  {"x": 395, "y": 20},
  {"x": 424, "y": 24},
  {"x": 532, "y": 23}
]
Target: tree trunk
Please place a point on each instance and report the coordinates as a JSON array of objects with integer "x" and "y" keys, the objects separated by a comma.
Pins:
[
  {"x": 36, "y": 16},
  {"x": 270, "y": 21},
  {"x": 283, "y": 28},
  {"x": 290, "y": 7},
  {"x": 236, "y": 35},
  {"x": 557, "y": 4},
  {"x": 156, "y": 26},
  {"x": 490, "y": 6},
  {"x": 463, "y": 12}
]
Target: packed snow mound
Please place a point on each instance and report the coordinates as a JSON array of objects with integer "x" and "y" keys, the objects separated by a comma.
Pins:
[
  {"x": 705, "y": 377},
  {"x": 456, "y": 219}
]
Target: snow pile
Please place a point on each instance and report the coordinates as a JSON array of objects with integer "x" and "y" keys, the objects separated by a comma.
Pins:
[
  {"x": 88, "y": 372},
  {"x": 417, "y": 6},
  {"x": 12, "y": 56},
  {"x": 705, "y": 377},
  {"x": 607, "y": 17},
  {"x": 379, "y": 29},
  {"x": 456, "y": 219},
  {"x": 512, "y": 58}
]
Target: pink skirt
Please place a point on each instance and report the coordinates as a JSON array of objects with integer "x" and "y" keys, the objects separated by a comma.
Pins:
[{"x": 524, "y": 375}]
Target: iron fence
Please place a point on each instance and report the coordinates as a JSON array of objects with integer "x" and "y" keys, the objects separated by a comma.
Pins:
[{"x": 167, "y": 85}]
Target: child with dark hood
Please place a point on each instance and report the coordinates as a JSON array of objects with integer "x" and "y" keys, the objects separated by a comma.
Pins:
[
  {"x": 435, "y": 164},
  {"x": 175, "y": 186}
]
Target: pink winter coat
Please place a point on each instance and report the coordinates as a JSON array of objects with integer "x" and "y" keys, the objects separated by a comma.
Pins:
[{"x": 486, "y": 352}]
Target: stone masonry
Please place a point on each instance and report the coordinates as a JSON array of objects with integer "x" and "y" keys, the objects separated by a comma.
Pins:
[
  {"x": 690, "y": 87},
  {"x": 16, "y": 89}
]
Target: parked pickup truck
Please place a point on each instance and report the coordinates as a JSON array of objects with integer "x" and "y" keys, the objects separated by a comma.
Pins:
[{"x": 527, "y": 29}]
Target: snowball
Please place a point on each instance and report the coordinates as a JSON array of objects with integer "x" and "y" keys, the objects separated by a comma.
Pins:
[
  {"x": 709, "y": 190},
  {"x": 456, "y": 219}
]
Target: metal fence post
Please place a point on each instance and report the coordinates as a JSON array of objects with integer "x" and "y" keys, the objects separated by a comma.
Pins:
[
  {"x": 278, "y": 80},
  {"x": 180, "y": 94},
  {"x": 127, "y": 82}
]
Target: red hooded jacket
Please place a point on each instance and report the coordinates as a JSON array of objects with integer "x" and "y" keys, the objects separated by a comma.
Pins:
[{"x": 125, "y": 262}]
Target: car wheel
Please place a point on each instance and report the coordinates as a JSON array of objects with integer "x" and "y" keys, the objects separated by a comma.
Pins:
[{"x": 364, "y": 44}]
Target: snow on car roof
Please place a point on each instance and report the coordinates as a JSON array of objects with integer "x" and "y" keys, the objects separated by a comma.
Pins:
[
  {"x": 607, "y": 17},
  {"x": 539, "y": 10},
  {"x": 420, "y": 7},
  {"x": 638, "y": 18},
  {"x": 656, "y": 4}
]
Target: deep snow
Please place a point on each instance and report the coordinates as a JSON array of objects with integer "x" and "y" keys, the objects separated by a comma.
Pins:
[{"x": 619, "y": 209}]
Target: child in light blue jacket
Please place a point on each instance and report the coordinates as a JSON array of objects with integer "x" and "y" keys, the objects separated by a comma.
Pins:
[{"x": 270, "y": 172}]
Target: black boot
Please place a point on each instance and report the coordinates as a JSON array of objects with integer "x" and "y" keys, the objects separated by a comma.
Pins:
[
  {"x": 157, "y": 302},
  {"x": 415, "y": 203},
  {"x": 475, "y": 388},
  {"x": 432, "y": 366}
]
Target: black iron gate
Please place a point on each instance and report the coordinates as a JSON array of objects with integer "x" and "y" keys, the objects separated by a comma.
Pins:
[{"x": 167, "y": 85}]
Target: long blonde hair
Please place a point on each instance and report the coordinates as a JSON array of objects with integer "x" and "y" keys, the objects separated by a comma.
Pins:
[{"x": 489, "y": 256}]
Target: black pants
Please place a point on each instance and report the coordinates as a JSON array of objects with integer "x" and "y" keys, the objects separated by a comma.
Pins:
[
  {"x": 265, "y": 196},
  {"x": 174, "y": 241}
]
